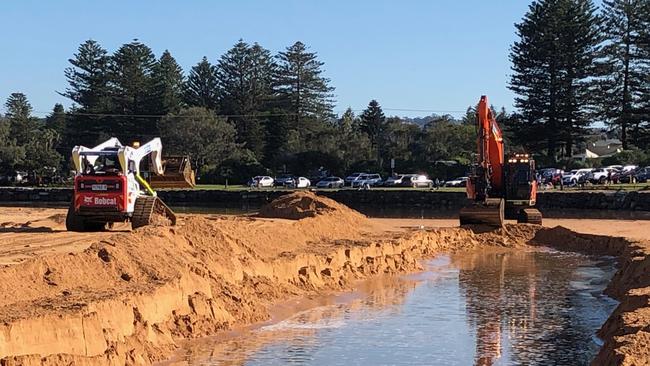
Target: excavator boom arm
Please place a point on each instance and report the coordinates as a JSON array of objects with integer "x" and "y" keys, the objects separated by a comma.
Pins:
[{"x": 491, "y": 150}]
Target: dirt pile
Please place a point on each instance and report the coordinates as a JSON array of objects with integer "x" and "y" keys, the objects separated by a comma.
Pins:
[{"x": 304, "y": 204}]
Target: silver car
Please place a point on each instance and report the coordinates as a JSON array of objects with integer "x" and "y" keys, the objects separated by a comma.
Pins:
[
  {"x": 352, "y": 177},
  {"x": 330, "y": 182},
  {"x": 369, "y": 180}
]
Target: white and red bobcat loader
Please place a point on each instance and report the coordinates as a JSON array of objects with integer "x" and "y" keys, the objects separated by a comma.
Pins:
[{"x": 108, "y": 187}]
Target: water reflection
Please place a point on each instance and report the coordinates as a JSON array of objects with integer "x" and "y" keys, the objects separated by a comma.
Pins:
[
  {"x": 539, "y": 307},
  {"x": 492, "y": 308}
]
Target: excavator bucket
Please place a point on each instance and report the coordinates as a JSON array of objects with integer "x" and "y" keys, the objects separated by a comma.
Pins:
[
  {"x": 178, "y": 174},
  {"x": 490, "y": 213}
]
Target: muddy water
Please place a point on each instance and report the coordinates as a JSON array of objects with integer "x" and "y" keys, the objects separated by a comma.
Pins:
[{"x": 493, "y": 308}]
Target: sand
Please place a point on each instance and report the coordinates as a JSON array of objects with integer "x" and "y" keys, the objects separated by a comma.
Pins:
[{"x": 121, "y": 297}]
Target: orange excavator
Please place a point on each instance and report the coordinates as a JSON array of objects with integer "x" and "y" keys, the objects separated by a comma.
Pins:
[{"x": 499, "y": 188}]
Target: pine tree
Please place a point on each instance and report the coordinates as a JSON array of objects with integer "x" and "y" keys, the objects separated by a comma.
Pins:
[
  {"x": 132, "y": 68},
  {"x": 57, "y": 120},
  {"x": 373, "y": 123},
  {"x": 552, "y": 64},
  {"x": 244, "y": 74},
  {"x": 354, "y": 145},
  {"x": 19, "y": 114},
  {"x": 132, "y": 87},
  {"x": 348, "y": 122},
  {"x": 167, "y": 85},
  {"x": 623, "y": 65},
  {"x": 580, "y": 40},
  {"x": 303, "y": 91},
  {"x": 201, "y": 88},
  {"x": 88, "y": 78}
]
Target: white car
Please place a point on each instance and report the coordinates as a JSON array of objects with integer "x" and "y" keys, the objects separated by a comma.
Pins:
[
  {"x": 352, "y": 178},
  {"x": 600, "y": 175},
  {"x": 615, "y": 167},
  {"x": 300, "y": 182},
  {"x": 330, "y": 182},
  {"x": 575, "y": 177},
  {"x": 627, "y": 168},
  {"x": 417, "y": 181},
  {"x": 261, "y": 181},
  {"x": 398, "y": 180},
  {"x": 458, "y": 182}
]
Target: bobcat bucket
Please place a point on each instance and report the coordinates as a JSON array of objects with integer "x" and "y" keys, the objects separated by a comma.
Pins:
[{"x": 178, "y": 174}]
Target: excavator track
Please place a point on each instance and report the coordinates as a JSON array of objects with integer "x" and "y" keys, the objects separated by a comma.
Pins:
[
  {"x": 490, "y": 213},
  {"x": 147, "y": 209},
  {"x": 530, "y": 216}
]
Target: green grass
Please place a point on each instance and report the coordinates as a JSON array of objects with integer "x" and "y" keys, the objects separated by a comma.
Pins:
[
  {"x": 604, "y": 187},
  {"x": 222, "y": 187},
  {"x": 240, "y": 187}
]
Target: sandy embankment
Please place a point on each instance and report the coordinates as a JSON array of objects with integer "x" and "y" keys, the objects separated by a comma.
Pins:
[{"x": 128, "y": 297}]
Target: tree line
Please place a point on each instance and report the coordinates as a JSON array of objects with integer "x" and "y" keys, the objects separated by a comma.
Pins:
[
  {"x": 574, "y": 65},
  {"x": 251, "y": 111}
]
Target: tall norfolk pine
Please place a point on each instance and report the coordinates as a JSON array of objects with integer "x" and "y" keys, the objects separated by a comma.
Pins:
[
  {"x": 623, "y": 67},
  {"x": 552, "y": 66},
  {"x": 245, "y": 77}
]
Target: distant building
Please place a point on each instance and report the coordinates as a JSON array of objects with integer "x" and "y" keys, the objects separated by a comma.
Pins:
[{"x": 600, "y": 149}]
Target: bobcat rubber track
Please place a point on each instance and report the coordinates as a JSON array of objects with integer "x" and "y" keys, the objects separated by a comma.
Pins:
[{"x": 145, "y": 209}]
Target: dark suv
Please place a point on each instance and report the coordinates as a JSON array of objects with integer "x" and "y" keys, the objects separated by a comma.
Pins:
[{"x": 643, "y": 174}]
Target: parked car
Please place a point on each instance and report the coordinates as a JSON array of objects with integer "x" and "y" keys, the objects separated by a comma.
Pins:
[
  {"x": 397, "y": 180},
  {"x": 575, "y": 177},
  {"x": 352, "y": 177},
  {"x": 261, "y": 181},
  {"x": 614, "y": 167},
  {"x": 625, "y": 175},
  {"x": 417, "y": 181},
  {"x": 599, "y": 176},
  {"x": 551, "y": 176},
  {"x": 370, "y": 180},
  {"x": 458, "y": 182},
  {"x": 299, "y": 182},
  {"x": 283, "y": 180},
  {"x": 643, "y": 174},
  {"x": 331, "y": 182}
]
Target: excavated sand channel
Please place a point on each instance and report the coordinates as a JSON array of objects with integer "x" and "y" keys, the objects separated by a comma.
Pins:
[
  {"x": 498, "y": 306},
  {"x": 129, "y": 297}
]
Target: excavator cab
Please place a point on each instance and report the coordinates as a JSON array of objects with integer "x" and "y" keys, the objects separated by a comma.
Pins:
[
  {"x": 521, "y": 190},
  {"x": 520, "y": 175},
  {"x": 178, "y": 174}
]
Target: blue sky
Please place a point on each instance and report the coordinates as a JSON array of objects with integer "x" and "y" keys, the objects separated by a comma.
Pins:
[{"x": 417, "y": 55}]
